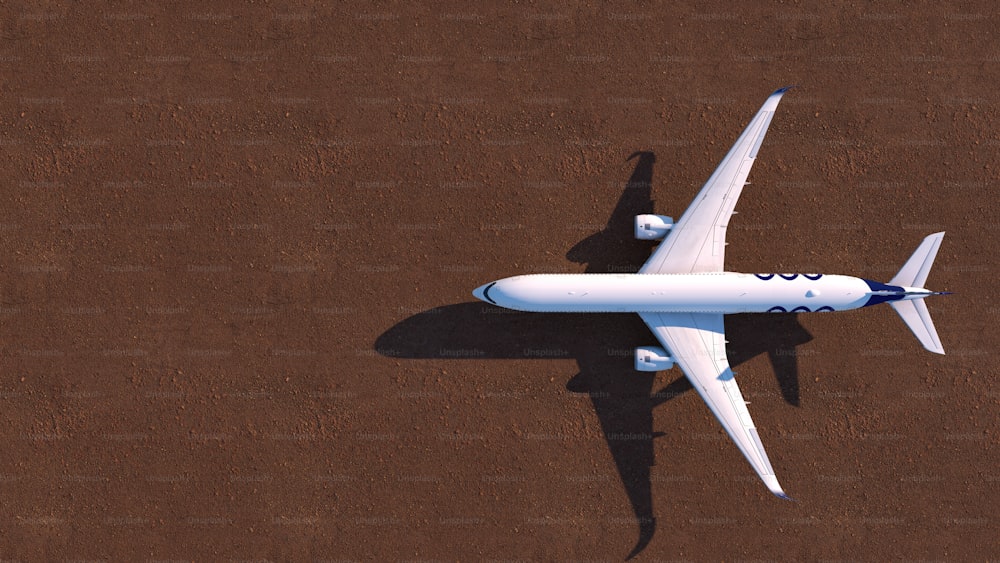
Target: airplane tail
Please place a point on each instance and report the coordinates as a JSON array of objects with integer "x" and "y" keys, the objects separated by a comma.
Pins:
[
  {"x": 914, "y": 272},
  {"x": 913, "y": 311}
]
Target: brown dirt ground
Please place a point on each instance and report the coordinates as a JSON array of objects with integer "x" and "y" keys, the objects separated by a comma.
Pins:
[{"x": 238, "y": 245}]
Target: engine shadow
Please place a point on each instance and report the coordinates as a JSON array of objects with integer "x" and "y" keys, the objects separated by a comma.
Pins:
[{"x": 602, "y": 346}]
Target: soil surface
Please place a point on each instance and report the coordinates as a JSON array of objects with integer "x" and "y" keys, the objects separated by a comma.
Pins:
[{"x": 238, "y": 245}]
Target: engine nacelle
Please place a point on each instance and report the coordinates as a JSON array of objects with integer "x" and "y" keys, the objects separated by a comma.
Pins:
[
  {"x": 652, "y": 358},
  {"x": 652, "y": 227}
]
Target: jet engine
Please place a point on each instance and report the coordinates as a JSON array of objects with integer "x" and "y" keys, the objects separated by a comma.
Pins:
[
  {"x": 652, "y": 227},
  {"x": 652, "y": 358}
]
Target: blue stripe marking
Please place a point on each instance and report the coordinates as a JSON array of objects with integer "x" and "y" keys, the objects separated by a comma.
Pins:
[
  {"x": 790, "y": 277},
  {"x": 799, "y": 309},
  {"x": 897, "y": 293}
]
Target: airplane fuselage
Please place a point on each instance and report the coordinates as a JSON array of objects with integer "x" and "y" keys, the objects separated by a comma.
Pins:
[{"x": 716, "y": 292}]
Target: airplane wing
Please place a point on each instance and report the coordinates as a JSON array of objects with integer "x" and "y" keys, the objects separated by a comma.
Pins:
[
  {"x": 697, "y": 343},
  {"x": 696, "y": 242}
]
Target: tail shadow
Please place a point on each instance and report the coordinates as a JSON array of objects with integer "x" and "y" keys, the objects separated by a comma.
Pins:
[{"x": 623, "y": 399}]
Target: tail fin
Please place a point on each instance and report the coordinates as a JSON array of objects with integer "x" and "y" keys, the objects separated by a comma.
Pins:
[
  {"x": 914, "y": 275},
  {"x": 914, "y": 272}
]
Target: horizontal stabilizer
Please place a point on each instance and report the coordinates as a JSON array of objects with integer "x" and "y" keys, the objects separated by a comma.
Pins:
[
  {"x": 914, "y": 272},
  {"x": 914, "y": 314}
]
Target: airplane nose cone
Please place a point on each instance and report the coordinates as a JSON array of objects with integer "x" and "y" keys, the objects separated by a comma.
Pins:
[
  {"x": 481, "y": 294},
  {"x": 478, "y": 293}
]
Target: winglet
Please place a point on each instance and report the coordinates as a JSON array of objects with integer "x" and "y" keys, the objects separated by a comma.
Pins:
[
  {"x": 770, "y": 105},
  {"x": 772, "y": 484}
]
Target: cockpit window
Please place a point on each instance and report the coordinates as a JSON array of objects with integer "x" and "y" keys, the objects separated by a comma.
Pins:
[{"x": 486, "y": 293}]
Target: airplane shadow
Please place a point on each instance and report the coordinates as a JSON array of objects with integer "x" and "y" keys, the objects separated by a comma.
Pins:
[{"x": 602, "y": 345}]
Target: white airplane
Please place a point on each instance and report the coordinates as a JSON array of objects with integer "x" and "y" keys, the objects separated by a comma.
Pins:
[{"x": 683, "y": 291}]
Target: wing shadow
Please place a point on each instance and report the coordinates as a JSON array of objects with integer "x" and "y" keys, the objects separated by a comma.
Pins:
[{"x": 602, "y": 345}]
